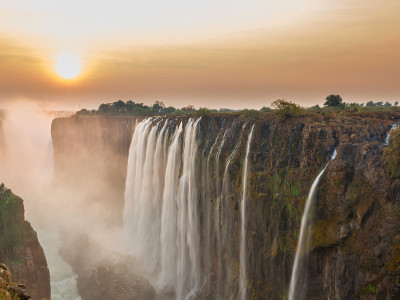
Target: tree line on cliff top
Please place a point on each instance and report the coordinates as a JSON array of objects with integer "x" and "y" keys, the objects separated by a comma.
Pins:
[{"x": 282, "y": 107}]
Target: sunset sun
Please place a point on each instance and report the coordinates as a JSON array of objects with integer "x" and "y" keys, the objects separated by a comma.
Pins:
[{"x": 68, "y": 66}]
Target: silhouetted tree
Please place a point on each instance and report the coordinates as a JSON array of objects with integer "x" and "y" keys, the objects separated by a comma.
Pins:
[
  {"x": 333, "y": 100},
  {"x": 286, "y": 108},
  {"x": 202, "y": 112},
  {"x": 265, "y": 109}
]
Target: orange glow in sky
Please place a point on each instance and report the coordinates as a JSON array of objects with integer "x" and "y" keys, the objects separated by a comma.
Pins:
[{"x": 206, "y": 53}]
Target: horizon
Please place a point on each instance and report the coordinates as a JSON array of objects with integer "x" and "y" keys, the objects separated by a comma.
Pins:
[{"x": 215, "y": 55}]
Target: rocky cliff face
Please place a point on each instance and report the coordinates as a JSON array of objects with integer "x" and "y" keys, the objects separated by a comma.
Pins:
[
  {"x": 355, "y": 238},
  {"x": 9, "y": 290},
  {"x": 19, "y": 247}
]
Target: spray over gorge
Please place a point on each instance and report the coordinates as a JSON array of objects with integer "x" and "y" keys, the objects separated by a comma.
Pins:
[
  {"x": 199, "y": 150},
  {"x": 201, "y": 205}
]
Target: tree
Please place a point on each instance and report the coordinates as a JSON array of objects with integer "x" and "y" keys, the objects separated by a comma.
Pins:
[
  {"x": 286, "y": 108},
  {"x": 203, "y": 112},
  {"x": 169, "y": 110},
  {"x": 333, "y": 100},
  {"x": 370, "y": 103},
  {"x": 396, "y": 103},
  {"x": 265, "y": 109},
  {"x": 83, "y": 112},
  {"x": 188, "y": 108},
  {"x": 159, "y": 103},
  {"x": 104, "y": 108},
  {"x": 158, "y": 107}
]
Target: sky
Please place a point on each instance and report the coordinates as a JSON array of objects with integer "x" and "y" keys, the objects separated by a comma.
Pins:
[{"x": 226, "y": 53}]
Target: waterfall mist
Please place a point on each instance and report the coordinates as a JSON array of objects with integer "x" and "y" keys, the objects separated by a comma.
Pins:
[
  {"x": 58, "y": 210},
  {"x": 174, "y": 218},
  {"x": 27, "y": 169}
]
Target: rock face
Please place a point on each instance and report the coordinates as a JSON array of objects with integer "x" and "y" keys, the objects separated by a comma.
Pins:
[
  {"x": 111, "y": 281},
  {"x": 10, "y": 290},
  {"x": 355, "y": 245},
  {"x": 20, "y": 248}
]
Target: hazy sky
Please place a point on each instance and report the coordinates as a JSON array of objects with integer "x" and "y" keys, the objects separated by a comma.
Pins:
[{"x": 226, "y": 53}]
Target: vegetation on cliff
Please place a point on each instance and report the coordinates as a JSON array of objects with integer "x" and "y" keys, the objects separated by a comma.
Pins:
[
  {"x": 281, "y": 107},
  {"x": 9, "y": 290},
  {"x": 20, "y": 248},
  {"x": 10, "y": 207},
  {"x": 356, "y": 219}
]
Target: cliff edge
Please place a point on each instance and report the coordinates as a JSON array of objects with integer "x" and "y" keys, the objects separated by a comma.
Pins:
[{"x": 20, "y": 248}]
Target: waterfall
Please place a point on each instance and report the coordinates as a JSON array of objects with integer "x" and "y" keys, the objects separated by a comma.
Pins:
[
  {"x": 161, "y": 199},
  {"x": 387, "y": 139},
  {"x": 242, "y": 270},
  {"x": 226, "y": 211},
  {"x": 305, "y": 230}
]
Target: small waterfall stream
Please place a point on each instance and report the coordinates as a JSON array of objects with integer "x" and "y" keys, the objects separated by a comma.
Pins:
[
  {"x": 242, "y": 270},
  {"x": 387, "y": 139},
  {"x": 305, "y": 230}
]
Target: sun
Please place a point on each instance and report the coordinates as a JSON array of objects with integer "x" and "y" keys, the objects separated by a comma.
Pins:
[{"x": 68, "y": 65}]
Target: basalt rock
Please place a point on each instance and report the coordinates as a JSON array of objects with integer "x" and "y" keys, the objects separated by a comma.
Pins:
[
  {"x": 10, "y": 290},
  {"x": 20, "y": 248},
  {"x": 111, "y": 281},
  {"x": 355, "y": 245}
]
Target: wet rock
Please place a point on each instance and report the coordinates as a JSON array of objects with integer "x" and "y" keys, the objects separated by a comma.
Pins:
[
  {"x": 111, "y": 281},
  {"x": 356, "y": 213}
]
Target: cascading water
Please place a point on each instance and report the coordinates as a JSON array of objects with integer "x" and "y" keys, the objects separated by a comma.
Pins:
[
  {"x": 160, "y": 214},
  {"x": 387, "y": 139},
  {"x": 226, "y": 210},
  {"x": 168, "y": 214},
  {"x": 305, "y": 230},
  {"x": 242, "y": 270}
]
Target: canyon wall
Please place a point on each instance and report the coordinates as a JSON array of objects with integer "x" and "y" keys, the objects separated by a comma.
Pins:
[
  {"x": 355, "y": 238},
  {"x": 20, "y": 248}
]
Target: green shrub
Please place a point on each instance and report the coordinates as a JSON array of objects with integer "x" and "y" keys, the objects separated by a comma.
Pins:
[
  {"x": 286, "y": 109},
  {"x": 370, "y": 288},
  {"x": 251, "y": 115},
  {"x": 203, "y": 112}
]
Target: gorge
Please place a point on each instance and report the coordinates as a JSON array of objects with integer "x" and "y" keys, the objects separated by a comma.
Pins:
[
  {"x": 211, "y": 207},
  {"x": 284, "y": 158}
]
